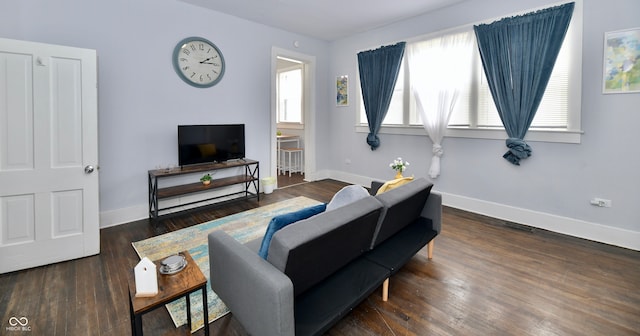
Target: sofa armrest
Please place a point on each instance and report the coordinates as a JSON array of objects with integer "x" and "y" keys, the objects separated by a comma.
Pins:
[
  {"x": 259, "y": 295},
  {"x": 433, "y": 210}
]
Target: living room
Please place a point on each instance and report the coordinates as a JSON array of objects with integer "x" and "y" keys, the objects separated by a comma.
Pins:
[{"x": 141, "y": 101}]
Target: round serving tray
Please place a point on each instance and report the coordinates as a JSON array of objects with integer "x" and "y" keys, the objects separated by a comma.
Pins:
[{"x": 173, "y": 264}]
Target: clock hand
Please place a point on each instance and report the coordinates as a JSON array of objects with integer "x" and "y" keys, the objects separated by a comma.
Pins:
[{"x": 204, "y": 61}]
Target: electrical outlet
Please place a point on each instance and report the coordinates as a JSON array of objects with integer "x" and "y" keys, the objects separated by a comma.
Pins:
[
  {"x": 347, "y": 161},
  {"x": 601, "y": 202}
]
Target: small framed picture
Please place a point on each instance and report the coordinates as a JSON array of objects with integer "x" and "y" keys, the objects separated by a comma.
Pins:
[
  {"x": 621, "y": 61},
  {"x": 342, "y": 90}
]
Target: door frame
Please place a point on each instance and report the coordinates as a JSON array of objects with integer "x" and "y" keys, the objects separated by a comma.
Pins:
[{"x": 309, "y": 110}]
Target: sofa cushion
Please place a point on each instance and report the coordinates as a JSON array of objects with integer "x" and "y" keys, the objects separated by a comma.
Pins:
[
  {"x": 401, "y": 206},
  {"x": 315, "y": 248},
  {"x": 347, "y": 195},
  {"x": 396, "y": 251},
  {"x": 394, "y": 184},
  {"x": 280, "y": 221},
  {"x": 322, "y": 306}
]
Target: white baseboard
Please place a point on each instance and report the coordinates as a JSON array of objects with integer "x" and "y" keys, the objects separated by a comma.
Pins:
[
  {"x": 364, "y": 181},
  {"x": 131, "y": 214},
  {"x": 316, "y": 176},
  {"x": 564, "y": 225},
  {"x": 126, "y": 215},
  {"x": 123, "y": 216}
]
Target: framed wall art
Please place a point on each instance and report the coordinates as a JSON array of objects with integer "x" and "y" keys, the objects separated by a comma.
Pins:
[
  {"x": 621, "y": 61},
  {"x": 342, "y": 90}
]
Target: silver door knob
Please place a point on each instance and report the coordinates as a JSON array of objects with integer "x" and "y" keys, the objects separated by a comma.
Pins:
[{"x": 89, "y": 169}]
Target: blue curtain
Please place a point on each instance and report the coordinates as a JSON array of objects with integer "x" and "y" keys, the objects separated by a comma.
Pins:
[
  {"x": 518, "y": 55},
  {"x": 378, "y": 74}
]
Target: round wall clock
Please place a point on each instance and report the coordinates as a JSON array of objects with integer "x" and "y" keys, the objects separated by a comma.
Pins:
[{"x": 198, "y": 62}]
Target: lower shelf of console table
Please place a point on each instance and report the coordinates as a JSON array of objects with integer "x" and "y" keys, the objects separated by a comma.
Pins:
[{"x": 250, "y": 180}]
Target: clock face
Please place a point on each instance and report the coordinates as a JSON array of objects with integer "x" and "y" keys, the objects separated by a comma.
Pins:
[{"x": 198, "y": 62}]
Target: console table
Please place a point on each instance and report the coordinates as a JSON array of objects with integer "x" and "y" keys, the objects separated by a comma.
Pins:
[{"x": 250, "y": 178}]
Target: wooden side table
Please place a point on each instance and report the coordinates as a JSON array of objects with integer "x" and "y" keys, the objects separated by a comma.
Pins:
[{"x": 170, "y": 288}]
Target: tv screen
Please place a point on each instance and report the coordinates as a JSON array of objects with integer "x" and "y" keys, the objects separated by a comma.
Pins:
[{"x": 210, "y": 143}]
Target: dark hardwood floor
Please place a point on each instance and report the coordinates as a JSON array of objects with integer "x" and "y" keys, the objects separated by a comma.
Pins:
[
  {"x": 487, "y": 277},
  {"x": 286, "y": 181}
]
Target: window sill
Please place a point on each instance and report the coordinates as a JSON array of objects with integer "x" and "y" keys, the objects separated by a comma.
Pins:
[{"x": 559, "y": 136}]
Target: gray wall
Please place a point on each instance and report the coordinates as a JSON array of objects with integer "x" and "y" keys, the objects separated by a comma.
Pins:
[
  {"x": 141, "y": 100},
  {"x": 558, "y": 181}
]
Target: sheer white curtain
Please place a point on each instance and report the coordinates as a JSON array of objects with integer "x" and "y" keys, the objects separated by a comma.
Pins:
[{"x": 439, "y": 71}]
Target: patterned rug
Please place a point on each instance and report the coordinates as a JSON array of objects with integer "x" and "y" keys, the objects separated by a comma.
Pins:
[{"x": 244, "y": 227}]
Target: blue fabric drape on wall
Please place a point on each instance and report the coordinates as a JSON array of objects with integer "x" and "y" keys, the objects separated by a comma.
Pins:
[
  {"x": 518, "y": 55},
  {"x": 378, "y": 74}
]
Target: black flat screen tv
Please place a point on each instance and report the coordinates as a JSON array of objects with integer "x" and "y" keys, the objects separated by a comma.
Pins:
[{"x": 198, "y": 144}]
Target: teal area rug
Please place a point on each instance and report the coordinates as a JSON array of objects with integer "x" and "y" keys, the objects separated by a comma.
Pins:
[{"x": 244, "y": 227}]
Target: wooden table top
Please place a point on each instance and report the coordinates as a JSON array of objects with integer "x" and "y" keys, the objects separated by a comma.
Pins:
[
  {"x": 287, "y": 136},
  {"x": 170, "y": 287}
]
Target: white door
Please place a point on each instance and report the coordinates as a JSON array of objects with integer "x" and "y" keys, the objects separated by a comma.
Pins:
[{"x": 48, "y": 149}]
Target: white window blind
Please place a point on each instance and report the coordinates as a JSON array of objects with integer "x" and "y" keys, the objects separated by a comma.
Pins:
[
  {"x": 475, "y": 114},
  {"x": 553, "y": 109}
]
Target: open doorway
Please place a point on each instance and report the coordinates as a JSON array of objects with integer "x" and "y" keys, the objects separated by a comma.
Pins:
[
  {"x": 292, "y": 117},
  {"x": 290, "y": 121}
]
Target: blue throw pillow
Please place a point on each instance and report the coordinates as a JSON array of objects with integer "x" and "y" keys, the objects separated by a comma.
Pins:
[{"x": 280, "y": 221}]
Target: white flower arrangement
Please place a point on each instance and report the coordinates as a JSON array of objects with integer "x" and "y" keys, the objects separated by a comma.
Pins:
[{"x": 399, "y": 165}]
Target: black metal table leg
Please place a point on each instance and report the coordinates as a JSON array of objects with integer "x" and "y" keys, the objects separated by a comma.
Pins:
[
  {"x": 206, "y": 310},
  {"x": 138, "y": 323},
  {"x": 132, "y": 317},
  {"x": 188, "y": 311}
]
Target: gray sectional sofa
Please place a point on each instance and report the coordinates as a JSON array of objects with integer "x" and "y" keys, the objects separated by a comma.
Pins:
[{"x": 320, "y": 268}]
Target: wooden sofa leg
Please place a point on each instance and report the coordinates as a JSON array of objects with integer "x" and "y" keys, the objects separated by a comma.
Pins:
[
  {"x": 430, "y": 250},
  {"x": 385, "y": 290}
]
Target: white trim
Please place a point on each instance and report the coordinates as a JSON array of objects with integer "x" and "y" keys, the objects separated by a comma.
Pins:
[
  {"x": 185, "y": 202},
  {"x": 122, "y": 216},
  {"x": 547, "y": 135},
  {"x": 317, "y": 175},
  {"x": 564, "y": 225},
  {"x": 310, "y": 108},
  {"x": 562, "y": 136}
]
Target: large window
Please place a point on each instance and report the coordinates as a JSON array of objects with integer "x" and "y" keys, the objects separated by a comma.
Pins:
[{"x": 475, "y": 114}]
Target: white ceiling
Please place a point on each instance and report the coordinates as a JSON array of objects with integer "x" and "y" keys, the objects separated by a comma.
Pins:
[{"x": 324, "y": 19}]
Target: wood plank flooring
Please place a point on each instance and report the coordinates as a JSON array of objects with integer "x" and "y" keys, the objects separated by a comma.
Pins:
[
  {"x": 487, "y": 277},
  {"x": 287, "y": 181}
]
